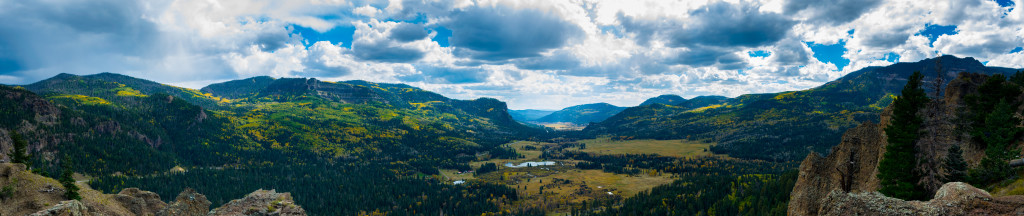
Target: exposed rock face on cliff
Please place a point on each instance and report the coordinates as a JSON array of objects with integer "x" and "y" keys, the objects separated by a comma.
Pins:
[
  {"x": 259, "y": 203},
  {"x": 851, "y": 167},
  {"x": 954, "y": 198},
  {"x": 33, "y": 194}
]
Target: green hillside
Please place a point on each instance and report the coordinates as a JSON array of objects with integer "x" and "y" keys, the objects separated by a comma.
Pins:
[{"x": 117, "y": 126}]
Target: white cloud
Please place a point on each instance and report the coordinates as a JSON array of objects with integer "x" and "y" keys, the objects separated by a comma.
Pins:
[{"x": 533, "y": 54}]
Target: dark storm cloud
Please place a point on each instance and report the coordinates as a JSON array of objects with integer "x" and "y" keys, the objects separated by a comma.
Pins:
[
  {"x": 886, "y": 39},
  {"x": 725, "y": 24},
  {"x": 37, "y": 34},
  {"x": 501, "y": 33},
  {"x": 406, "y": 32},
  {"x": 710, "y": 56},
  {"x": 385, "y": 51},
  {"x": 719, "y": 24},
  {"x": 271, "y": 41},
  {"x": 790, "y": 52},
  {"x": 834, "y": 12}
]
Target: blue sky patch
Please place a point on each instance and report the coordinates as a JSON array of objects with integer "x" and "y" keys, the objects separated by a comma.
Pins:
[
  {"x": 442, "y": 36},
  {"x": 934, "y": 31},
  {"x": 1005, "y": 3},
  {"x": 830, "y": 53},
  {"x": 891, "y": 57},
  {"x": 759, "y": 53},
  {"x": 342, "y": 34},
  {"x": 9, "y": 65},
  {"x": 1016, "y": 50}
]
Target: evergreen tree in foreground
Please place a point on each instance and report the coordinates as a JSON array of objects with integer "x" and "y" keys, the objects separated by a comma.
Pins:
[
  {"x": 954, "y": 165},
  {"x": 70, "y": 189},
  {"x": 19, "y": 155},
  {"x": 894, "y": 170},
  {"x": 999, "y": 132}
]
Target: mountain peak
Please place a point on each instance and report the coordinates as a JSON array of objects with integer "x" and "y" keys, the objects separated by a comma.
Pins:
[{"x": 667, "y": 99}]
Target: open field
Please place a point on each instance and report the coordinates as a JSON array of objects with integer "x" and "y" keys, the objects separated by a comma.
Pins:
[
  {"x": 563, "y": 184},
  {"x": 528, "y": 155},
  {"x": 675, "y": 148},
  {"x": 553, "y": 187},
  {"x": 564, "y": 126}
]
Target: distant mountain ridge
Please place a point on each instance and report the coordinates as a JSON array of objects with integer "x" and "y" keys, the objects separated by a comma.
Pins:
[
  {"x": 528, "y": 115},
  {"x": 582, "y": 114},
  {"x": 783, "y": 126},
  {"x": 664, "y": 99}
]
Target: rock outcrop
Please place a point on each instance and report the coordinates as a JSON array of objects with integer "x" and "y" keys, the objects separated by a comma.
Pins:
[
  {"x": 851, "y": 167},
  {"x": 32, "y": 194},
  {"x": 188, "y": 203},
  {"x": 65, "y": 208},
  {"x": 260, "y": 203},
  {"x": 140, "y": 202},
  {"x": 954, "y": 198}
]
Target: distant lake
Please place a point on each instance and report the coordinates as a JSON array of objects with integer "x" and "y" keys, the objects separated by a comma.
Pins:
[{"x": 527, "y": 164}]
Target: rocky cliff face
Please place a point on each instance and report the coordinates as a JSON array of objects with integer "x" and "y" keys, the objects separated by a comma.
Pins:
[
  {"x": 33, "y": 194},
  {"x": 845, "y": 182},
  {"x": 851, "y": 167}
]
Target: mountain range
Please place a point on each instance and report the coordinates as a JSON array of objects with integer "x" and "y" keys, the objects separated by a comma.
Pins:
[
  {"x": 785, "y": 125},
  {"x": 597, "y": 112},
  {"x": 116, "y": 125}
]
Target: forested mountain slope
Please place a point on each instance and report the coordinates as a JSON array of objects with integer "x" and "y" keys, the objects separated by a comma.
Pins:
[
  {"x": 783, "y": 126},
  {"x": 391, "y": 135}
]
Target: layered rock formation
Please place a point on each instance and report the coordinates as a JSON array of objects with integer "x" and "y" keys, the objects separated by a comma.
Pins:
[{"x": 33, "y": 194}]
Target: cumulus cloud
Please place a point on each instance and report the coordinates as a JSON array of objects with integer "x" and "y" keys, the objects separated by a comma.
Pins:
[
  {"x": 387, "y": 42},
  {"x": 831, "y": 12},
  {"x": 405, "y": 32},
  {"x": 726, "y": 24},
  {"x": 502, "y": 33},
  {"x": 710, "y": 56},
  {"x": 720, "y": 24},
  {"x": 531, "y": 53}
]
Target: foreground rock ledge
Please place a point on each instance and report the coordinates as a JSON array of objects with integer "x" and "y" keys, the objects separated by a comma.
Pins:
[
  {"x": 39, "y": 195},
  {"x": 954, "y": 198}
]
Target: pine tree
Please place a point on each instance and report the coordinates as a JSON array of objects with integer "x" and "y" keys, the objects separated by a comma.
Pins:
[
  {"x": 999, "y": 132},
  {"x": 954, "y": 165},
  {"x": 19, "y": 155},
  {"x": 894, "y": 169},
  {"x": 70, "y": 189}
]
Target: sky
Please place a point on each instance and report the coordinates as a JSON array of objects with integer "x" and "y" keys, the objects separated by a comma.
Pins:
[{"x": 532, "y": 54}]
